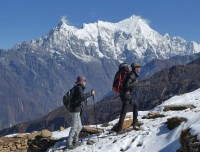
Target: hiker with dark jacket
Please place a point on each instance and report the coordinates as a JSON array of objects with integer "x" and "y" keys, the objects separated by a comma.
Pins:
[
  {"x": 126, "y": 97},
  {"x": 78, "y": 97}
]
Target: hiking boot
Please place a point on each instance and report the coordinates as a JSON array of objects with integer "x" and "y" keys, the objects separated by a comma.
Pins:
[
  {"x": 136, "y": 128},
  {"x": 76, "y": 144},
  {"x": 69, "y": 147},
  {"x": 137, "y": 123},
  {"x": 120, "y": 132}
]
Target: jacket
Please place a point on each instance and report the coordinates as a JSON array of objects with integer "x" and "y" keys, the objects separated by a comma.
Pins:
[
  {"x": 78, "y": 97},
  {"x": 129, "y": 83}
]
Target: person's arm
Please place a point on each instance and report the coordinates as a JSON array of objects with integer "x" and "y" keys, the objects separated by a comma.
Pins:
[
  {"x": 83, "y": 96},
  {"x": 130, "y": 82}
]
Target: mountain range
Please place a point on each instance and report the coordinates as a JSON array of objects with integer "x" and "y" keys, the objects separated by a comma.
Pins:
[
  {"x": 149, "y": 93},
  {"x": 35, "y": 74}
]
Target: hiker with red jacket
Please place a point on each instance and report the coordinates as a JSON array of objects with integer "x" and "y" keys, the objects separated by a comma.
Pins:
[
  {"x": 126, "y": 97},
  {"x": 78, "y": 97}
]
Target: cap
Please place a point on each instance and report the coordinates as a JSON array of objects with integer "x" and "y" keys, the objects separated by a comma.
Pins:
[
  {"x": 80, "y": 79},
  {"x": 136, "y": 65}
]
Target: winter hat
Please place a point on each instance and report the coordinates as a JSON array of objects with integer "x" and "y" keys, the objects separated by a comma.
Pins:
[
  {"x": 80, "y": 79},
  {"x": 135, "y": 65}
]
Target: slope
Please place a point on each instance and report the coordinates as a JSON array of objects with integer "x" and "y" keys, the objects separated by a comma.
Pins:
[{"x": 155, "y": 135}]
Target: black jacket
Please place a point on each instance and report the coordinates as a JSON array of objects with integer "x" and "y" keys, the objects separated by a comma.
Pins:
[
  {"x": 129, "y": 83},
  {"x": 79, "y": 97}
]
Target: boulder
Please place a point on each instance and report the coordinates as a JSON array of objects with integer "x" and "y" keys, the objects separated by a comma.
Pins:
[
  {"x": 62, "y": 128},
  {"x": 153, "y": 115},
  {"x": 46, "y": 133},
  {"x": 31, "y": 136},
  {"x": 189, "y": 143},
  {"x": 40, "y": 144},
  {"x": 174, "y": 122},
  {"x": 126, "y": 124},
  {"x": 90, "y": 142},
  {"x": 178, "y": 107},
  {"x": 92, "y": 130}
]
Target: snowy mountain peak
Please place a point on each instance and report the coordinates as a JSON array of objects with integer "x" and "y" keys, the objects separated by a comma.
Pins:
[
  {"x": 127, "y": 40},
  {"x": 63, "y": 26},
  {"x": 133, "y": 23}
]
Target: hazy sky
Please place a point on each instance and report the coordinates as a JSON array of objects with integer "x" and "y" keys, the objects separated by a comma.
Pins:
[{"x": 22, "y": 20}]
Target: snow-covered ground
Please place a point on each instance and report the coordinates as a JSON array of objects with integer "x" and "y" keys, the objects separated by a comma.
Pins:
[{"x": 154, "y": 137}]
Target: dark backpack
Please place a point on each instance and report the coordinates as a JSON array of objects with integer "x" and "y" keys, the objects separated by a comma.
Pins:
[
  {"x": 122, "y": 73},
  {"x": 68, "y": 98}
]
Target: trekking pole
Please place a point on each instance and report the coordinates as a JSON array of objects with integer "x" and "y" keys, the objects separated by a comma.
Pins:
[{"x": 95, "y": 116}]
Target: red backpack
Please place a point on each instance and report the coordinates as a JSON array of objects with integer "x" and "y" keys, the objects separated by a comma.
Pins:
[{"x": 122, "y": 73}]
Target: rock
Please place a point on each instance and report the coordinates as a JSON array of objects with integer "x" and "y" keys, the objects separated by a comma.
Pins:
[
  {"x": 1, "y": 142},
  {"x": 18, "y": 146},
  {"x": 127, "y": 123},
  {"x": 17, "y": 141},
  {"x": 174, "y": 122},
  {"x": 31, "y": 136},
  {"x": 90, "y": 142},
  {"x": 46, "y": 133},
  {"x": 189, "y": 143},
  {"x": 92, "y": 130},
  {"x": 153, "y": 115},
  {"x": 10, "y": 144},
  {"x": 62, "y": 128},
  {"x": 40, "y": 144},
  {"x": 14, "y": 144},
  {"x": 105, "y": 125},
  {"x": 178, "y": 107},
  {"x": 13, "y": 148},
  {"x": 20, "y": 136},
  {"x": 22, "y": 148}
]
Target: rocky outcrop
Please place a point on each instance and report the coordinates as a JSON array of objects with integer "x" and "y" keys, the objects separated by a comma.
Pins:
[
  {"x": 174, "y": 122},
  {"x": 189, "y": 142},
  {"x": 15, "y": 144},
  {"x": 35, "y": 142},
  {"x": 153, "y": 115},
  {"x": 41, "y": 142},
  {"x": 178, "y": 107}
]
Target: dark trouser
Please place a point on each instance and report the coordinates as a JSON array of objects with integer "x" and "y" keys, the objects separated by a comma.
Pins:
[{"x": 126, "y": 102}]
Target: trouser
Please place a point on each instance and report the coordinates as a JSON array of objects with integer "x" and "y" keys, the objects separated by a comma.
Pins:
[
  {"x": 75, "y": 129},
  {"x": 126, "y": 102}
]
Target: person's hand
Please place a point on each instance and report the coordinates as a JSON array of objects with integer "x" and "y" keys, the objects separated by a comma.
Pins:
[{"x": 92, "y": 92}]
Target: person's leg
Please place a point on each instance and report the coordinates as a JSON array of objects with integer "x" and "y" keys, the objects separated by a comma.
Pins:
[
  {"x": 79, "y": 128},
  {"x": 135, "y": 111},
  {"x": 74, "y": 127},
  {"x": 122, "y": 114}
]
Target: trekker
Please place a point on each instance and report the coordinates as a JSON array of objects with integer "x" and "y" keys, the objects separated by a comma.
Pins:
[
  {"x": 78, "y": 97},
  {"x": 126, "y": 97}
]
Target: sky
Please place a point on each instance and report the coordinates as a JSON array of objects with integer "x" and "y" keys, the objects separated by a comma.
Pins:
[{"x": 23, "y": 20}]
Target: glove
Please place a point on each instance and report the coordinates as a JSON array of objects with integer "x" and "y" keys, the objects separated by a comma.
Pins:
[{"x": 92, "y": 92}]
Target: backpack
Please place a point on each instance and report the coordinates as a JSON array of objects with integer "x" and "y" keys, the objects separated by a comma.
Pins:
[
  {"x": 68, "y": 98},
  {"x": 122, "y": 73}
]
